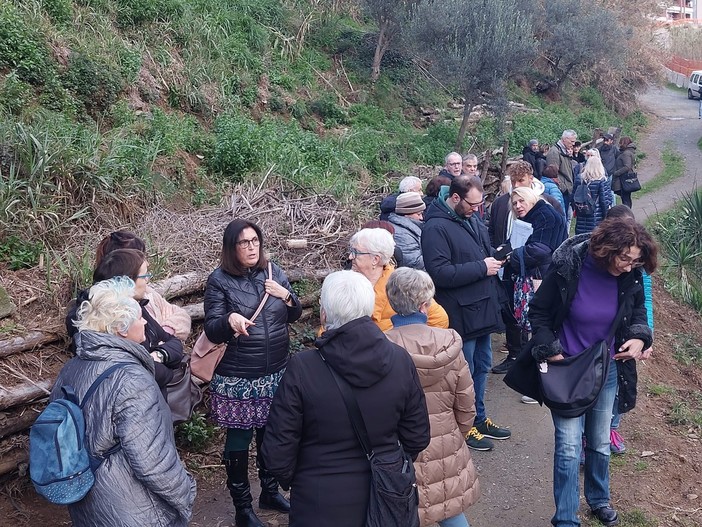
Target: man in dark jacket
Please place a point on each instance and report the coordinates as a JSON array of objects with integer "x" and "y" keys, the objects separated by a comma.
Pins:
[
  {"x": 453, "y": 166},
  {"x": 608, "y": 153},
  {"x": 530, "y": 154},
  {"x": 408, "y": 184},
  {"x": 310, "y": 444},
  {"x": 458, "y": 257}
]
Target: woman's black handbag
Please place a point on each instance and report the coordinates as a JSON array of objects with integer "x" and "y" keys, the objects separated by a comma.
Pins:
[
  {"x": 570, "y": 387},
  {"x": 393, "y": 488},
  {"x": 183, "y": 393},
  {"x": 630, "y": 182}
]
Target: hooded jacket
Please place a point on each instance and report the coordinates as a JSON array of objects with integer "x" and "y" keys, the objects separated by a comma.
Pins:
[
  {"x": 454, "y": 251},
  {"x": 265, "y": 350},
  {"x": 558, "y": 156},
  {"x": 446, "y": 477},
  {"x": 310, "y": 444},
  {"x": 408, "y": 232},
  {"x": 144, "y": 482},
  {"x": 551, "y": 305},
  {"x": 608, "y": 154}
]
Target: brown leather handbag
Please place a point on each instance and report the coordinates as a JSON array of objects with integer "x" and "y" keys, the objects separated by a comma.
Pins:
[{"x": 206, "y": 355}]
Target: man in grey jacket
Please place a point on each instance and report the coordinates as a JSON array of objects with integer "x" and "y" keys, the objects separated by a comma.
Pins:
[{"x": 560, "y": 155}]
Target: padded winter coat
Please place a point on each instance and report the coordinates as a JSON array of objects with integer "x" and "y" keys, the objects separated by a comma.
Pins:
[
  {"x": 265, "y": 350},
  {"x": 454, "y": 255},
  {"x": 144, "y": 482},
  {"x": 173, "y": 319},
  {"x": 602, "y": 195},
  {"x": 446, "y": 477},
  {"x": 624, "y": 164},
  {"x": 408, "y": 233},
  {"x": 383, "y": 310},
  {"x": 558, "y": 156},
  {"x": 310, "y": 445}
]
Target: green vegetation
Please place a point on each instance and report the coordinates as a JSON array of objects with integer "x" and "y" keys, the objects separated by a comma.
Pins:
[
  {"x": 686, "y": 351},
  {"x": 679, "y": 232},
  {"x": 660, "y": 389},
  {"x": 108, "y": 107},
  {"x": 675, "y": 87},
  {"x": 673, "y": 168},
  {"x": 699, "y": 143},
  {"x": 196, "y": 434}
]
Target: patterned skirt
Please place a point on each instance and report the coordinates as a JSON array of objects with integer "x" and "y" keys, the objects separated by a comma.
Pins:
[{"x": 243, "y": 403}]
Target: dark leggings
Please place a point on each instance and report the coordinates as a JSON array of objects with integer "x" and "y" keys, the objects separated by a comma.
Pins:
[{"x": 626, "y": 198}]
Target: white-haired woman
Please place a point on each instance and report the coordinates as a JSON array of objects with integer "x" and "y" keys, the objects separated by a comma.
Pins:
[
  {"x": 594, "y": 176},
  {"x": 370, "y": 251},
  {"x": 143, "y": 482},
  {"x": 446, "y": 477},
  {"x": 310, "y": 444}
]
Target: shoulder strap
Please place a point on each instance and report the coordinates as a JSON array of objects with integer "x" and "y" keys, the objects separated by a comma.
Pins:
[
  {"x": 265, "y": 297},
  {"x": 355, "y": 415},
  {"x": 97, "y": 382}
]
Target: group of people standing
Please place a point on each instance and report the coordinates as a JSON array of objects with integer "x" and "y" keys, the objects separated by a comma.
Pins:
[{"x": 413, "y": 343}]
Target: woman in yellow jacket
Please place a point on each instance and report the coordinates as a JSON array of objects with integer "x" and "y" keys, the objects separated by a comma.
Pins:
[{"x": 370, "y": 252}]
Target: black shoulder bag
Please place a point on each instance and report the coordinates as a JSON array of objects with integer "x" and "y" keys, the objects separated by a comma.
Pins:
[
  {"x": 570, "y": 387},
  {"x": 393, "y": 496}
]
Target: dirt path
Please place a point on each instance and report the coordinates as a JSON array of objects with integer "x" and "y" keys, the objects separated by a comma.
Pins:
[{"x": 673, "y": 119}]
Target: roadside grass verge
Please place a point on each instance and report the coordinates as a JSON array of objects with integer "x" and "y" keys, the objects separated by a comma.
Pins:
[
  {"x": 674, "y": 87},
  {"x": 699, "y": 143},
  {"x": 673, "y": 168}
]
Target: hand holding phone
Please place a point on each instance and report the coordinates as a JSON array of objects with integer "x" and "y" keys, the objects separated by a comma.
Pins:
[{"x": 503, "y": 251}]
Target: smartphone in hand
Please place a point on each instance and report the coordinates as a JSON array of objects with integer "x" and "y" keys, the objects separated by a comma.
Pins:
[{"x": 503, "y": 251}]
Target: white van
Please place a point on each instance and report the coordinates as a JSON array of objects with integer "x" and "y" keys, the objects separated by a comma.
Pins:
[{"x": 694, "y": 86}]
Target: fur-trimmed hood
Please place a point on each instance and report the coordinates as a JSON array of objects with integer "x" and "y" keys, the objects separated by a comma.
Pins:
[{"x": 568, "y": 258}]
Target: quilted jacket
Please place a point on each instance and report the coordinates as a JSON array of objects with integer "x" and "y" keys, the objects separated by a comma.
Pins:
[
  {"x": 447, "y": 480},
  {"x": 143, "y": 482}
]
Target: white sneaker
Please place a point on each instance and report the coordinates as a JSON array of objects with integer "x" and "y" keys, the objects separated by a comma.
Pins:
[{"x": 529, "y": 400}]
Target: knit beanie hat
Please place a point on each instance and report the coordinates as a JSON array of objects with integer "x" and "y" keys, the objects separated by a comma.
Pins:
[{"x": 409, "y": 203}]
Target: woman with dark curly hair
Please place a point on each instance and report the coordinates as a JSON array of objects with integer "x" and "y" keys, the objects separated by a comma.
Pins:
[{"x": 595, "y": 283}]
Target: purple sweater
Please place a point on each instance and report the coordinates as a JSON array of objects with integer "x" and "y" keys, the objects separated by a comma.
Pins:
[{"x": 592, "y": 311}]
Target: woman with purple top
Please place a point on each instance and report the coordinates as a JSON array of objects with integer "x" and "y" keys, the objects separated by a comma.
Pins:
[{"x": 591, "y": 277}]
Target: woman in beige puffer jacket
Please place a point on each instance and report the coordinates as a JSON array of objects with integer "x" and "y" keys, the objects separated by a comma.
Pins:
[{"x": 446, "y": 477}]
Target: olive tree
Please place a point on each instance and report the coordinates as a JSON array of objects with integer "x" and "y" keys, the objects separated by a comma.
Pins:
[
  {"x": 473, "y": 46},
  {"x": 391, "y": 16}
]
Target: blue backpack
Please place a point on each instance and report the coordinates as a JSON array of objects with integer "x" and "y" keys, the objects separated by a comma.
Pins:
[
  {"x": 60, "y": 465},
  {"x": 583, "y": 201}
]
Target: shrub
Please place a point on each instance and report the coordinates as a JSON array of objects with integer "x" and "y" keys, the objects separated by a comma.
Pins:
[
  {"x": 60, "y": 11},
  {"x": 237, "y": 148},
  {"x": 327, "y": 109},
  {"x": 95, "y": 83},
  {"x": 19, "y": 253},
  {"x": 15, "y": 94},
  {"x": 21, "y": 47},
  {"x": 195, "y": 434}
]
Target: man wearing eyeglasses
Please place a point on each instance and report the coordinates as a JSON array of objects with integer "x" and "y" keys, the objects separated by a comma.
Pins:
[
  {"x": 453, "y": 165},
  {"x": 459, "y": 258},
  {"x": 560, "y": 155}
]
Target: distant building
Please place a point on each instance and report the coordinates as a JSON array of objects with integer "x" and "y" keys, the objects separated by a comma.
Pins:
[{"x": 682, "y": 9}]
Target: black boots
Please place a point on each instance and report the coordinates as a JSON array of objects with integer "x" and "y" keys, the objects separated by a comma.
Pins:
[
  {"x": 270, "y": 498},
  {"x": 237, "y": 467}
]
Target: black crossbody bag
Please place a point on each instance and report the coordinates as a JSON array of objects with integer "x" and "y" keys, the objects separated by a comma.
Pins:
[
  {"x": 570, "y": 387},
  {"x": 393, "y": 496}
]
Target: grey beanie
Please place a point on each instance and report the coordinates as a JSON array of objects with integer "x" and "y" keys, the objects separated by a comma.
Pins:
[{"x": 533, "y": 142}]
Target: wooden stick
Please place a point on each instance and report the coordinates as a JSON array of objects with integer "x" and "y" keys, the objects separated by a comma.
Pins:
[{"x": 25, "y": 393}]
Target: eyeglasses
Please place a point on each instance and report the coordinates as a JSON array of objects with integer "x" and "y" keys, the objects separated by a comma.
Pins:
[
  {"x": 145, "y": 276},
  {"x": 353, "y": 252},
  {"x": 474, "y": 205},
  {"x": 628, "y": 261},
  {"x": 245, "y": 244}
]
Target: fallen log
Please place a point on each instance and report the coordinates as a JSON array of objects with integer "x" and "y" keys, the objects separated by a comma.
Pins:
[
  {"x": 14, "y": 460},
  {"x": 180, "y": 285},
  {"x": 11, "y": 424},
  {"x": 24, "y": 393},
  {"x": 29, "y": 341},
  {"x": 196, "y": 311}
]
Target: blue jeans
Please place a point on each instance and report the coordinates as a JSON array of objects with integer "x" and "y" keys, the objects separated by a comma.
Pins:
[
  {"x": 566, "y": 456},
  {"x": 455, "y": 521},
  {"x": 478, "y": 354}
]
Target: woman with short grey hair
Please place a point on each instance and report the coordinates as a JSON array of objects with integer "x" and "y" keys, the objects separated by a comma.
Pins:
[
  {"x": 310, "y": 444},
  {"x": 144, "y": 481},
  {"x": 446, "y": 477},
  {"x": 370, "y": 251}
]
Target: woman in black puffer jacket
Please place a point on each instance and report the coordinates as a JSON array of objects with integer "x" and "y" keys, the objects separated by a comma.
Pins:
[{"x": 257, "y": 352}]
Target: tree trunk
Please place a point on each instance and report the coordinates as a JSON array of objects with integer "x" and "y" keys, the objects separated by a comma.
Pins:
[
  {"x": 31, "y": 340},
  {"x": 467, "y": 108},
  {"x": 24, "y": 393},
  {"x": 11, "y": 424},
  {"x": 505, "y": 151},
  {"x": 16, "y": 459},
  {"x": 182, "y": 284},
  {"x": 380, "y": 48}
]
